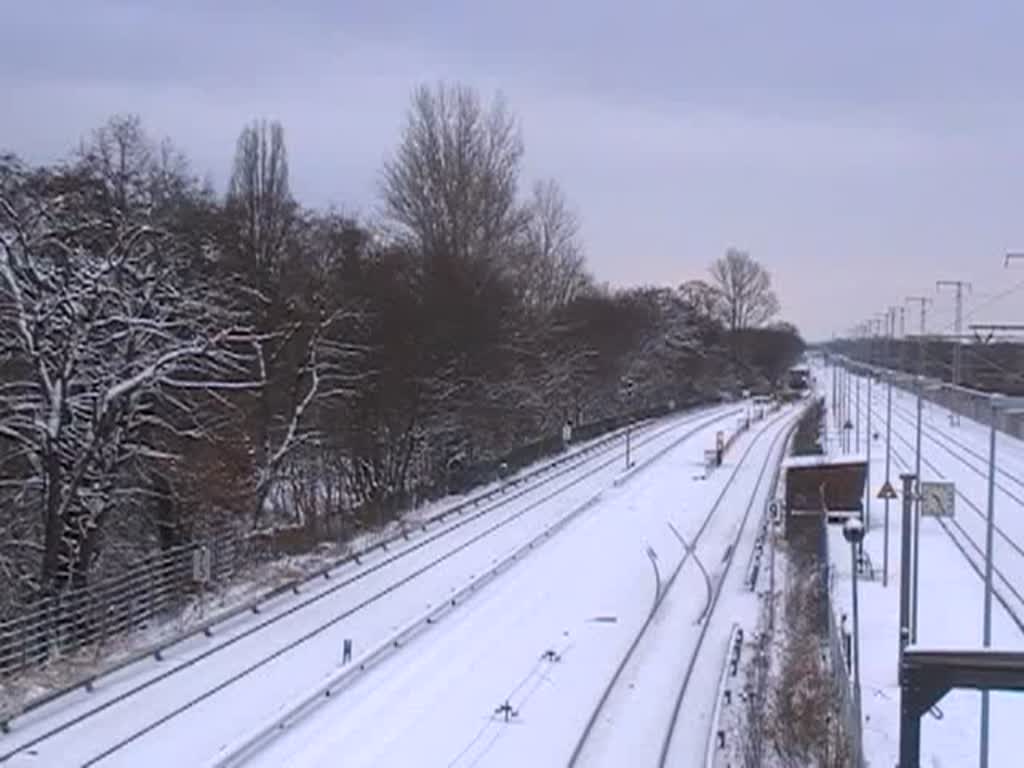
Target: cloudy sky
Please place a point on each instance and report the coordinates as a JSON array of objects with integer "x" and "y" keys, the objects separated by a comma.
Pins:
[{"x": 861, "y": 150}]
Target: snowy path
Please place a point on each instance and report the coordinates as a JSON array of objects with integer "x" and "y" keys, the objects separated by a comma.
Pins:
[
  {"x": 950, "y": 589},
  {"x": 583, "y": 596},
  {"x": 366, "y": 602}
]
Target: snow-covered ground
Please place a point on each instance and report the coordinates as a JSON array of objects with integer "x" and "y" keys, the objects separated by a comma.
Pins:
[
  {"x": 218, "y": 606},
  {"x": 584, "y": 596},
  {"x": 368, "y": 602},
  {"x": 950, "y": 589}
]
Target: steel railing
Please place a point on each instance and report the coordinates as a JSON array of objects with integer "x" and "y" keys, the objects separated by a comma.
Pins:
[{"x": 87, "y": 619}]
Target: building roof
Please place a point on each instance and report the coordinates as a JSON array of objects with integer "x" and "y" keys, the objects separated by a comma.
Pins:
[{"x": 824, "y": 460}]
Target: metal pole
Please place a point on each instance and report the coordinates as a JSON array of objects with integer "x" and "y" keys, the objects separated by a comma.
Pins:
[
  {"x": 843, "y": 408},
  {"x": 958, "y": 286},
  {"x": 849, "y": 406},
  {"x": 835, "y": 385},
  {"x": 910, "y": 730},
  {"x": 917, "y": 517},
  {"x": 856, "y": 639},
  {"x": 908, "y": 507},
  {"x": 989, "y": 529},
  {"x": 867, "y": 476},
  {"x": 857, "y": 412},
  {"x": 924, "y": 301},
  {"x": 888, "y": 468},
  {"x": 846, "y": 408},
  {"x": 839, "y": 407},
  {"x": 839, "y": 413}
]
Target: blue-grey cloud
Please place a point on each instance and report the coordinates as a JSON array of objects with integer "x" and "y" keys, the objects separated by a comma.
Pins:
[{"x": 861, "y": 150}]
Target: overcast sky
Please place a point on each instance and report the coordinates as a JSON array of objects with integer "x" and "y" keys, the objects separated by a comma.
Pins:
[{"x": 861, "y": 150}]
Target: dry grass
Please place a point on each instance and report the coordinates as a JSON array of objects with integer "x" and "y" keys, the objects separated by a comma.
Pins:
[{"x": 793, "y": 712}]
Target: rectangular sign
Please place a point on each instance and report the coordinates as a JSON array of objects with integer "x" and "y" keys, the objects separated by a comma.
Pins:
[{"x": 938, "y": 499}]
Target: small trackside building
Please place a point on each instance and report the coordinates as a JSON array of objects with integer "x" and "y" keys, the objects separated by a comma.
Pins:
[{"x": 824, "y": 486}]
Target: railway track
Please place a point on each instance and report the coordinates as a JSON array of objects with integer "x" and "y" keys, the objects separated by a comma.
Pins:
[
  {"x": 966, "y": 544},
  {"x": 80, "y": 722},
  {"x": 644, "y": 633},
  {"x": 959, "y": 450}
]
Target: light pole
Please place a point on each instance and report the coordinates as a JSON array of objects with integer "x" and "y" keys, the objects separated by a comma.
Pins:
[{"x": 853, "y": 532}]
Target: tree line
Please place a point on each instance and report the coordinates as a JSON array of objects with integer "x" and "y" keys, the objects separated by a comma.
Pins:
[{"x": 173, "y": 359}]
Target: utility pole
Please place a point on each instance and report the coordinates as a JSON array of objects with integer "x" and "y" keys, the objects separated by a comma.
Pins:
[
  {"x": 917, "y": 512},
  {"x": 849, "y": 408},
  {"x": 888, "y": 475},
  {"x": 856, "y": 411},
  {"x": 903, "y": 322},
  {"x": 987, "y": 625},
  {"x": 881, "y": 343},
  {"x": 908, "y": 513},
  {"x": 890, "y": 316},
  {"x": 924, "y": 301},
  {"x": 997, "y": 404},
  {"x": 958, "y": 286},
  {"x": 867, "y": 477},
  {"x": 835, "y": 386}
]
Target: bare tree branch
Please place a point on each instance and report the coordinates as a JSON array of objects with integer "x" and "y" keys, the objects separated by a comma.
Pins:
[{"x": 745, "y": 287}]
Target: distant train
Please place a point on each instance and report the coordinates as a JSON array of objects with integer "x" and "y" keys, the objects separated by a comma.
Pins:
[{"x": 798, "y": 377}]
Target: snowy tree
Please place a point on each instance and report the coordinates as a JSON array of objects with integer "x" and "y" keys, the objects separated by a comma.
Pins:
[
  {"x": 281, "y": 261},
  {"x": 105, "y": 341},
  {"x": 451, "y": 187}
]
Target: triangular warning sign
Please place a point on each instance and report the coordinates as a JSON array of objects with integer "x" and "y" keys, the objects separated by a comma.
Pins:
[{"x": 887, "y": 492}]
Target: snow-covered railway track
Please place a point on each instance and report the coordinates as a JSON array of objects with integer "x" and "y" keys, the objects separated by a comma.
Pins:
[
  {"x": 308, "y": 623},
  {"x": 959, "y": 450},
  {"x": 772, "y": 460},
  {"x": 907, "y": 462},
  {"x": 616, "y": 685}
]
